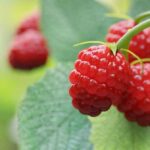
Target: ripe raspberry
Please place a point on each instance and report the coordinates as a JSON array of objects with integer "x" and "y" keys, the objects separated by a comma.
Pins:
[
  {"x": 140, "y": 44},
  {"x": 98, "y": 80},
  {"x": 29, "y": 50},
  {"x": 136, "y": 104},
  {"x": 31, "y": 22}
]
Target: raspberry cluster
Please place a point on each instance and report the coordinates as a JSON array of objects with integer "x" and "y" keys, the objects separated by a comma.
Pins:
[
  {"x": 29, "y": 49},
  {"x": 101, "y": 78},
  {"x": 140, "y": 44}
]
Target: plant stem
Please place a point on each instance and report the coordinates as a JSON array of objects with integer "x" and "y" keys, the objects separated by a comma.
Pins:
[
  {"x": 125, "y": 40},
  {"x": 142, "y": 16},
  {"x": 143, "y": 60},
  {"x": 89, "y": 42}
]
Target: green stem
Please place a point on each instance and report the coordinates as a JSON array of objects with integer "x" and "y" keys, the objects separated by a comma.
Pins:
[
  {"x": 143, "y": 60},
  {"x": 125, "y": 40},
  {"x": 90, "y": 42},
  {"x": 134, "y": 55},
  {"x": 142, "y": 16}
]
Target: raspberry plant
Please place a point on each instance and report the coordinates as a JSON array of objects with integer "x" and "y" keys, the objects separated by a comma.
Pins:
[{"x": 47, "y": 120}]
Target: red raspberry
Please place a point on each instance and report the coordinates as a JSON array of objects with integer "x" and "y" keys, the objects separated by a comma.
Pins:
[
  {"x": 29, "y": 50},
  {"x": 136, "y": 104},
  {"x": 31, "y": 22},
  {"x": 98, "y": 80},
  {"x": 140, "y": 44}
]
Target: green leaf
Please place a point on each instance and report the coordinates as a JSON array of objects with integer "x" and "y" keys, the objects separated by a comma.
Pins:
[
  {"x": 47, "y": 121},
  {"x": 139, "y": 6},
  {"x": 111, "y": 131},
  {"x": 67, "y": 22},
  {"x": 117, "y": 6}
]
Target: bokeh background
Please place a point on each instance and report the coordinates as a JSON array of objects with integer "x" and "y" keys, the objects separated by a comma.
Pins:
[{"x": 12, "y": 83}]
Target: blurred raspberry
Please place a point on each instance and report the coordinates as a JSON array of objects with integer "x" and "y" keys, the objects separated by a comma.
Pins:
[
  {"x": 31, "y": 22},
  {"x": 29, "y": 50}
]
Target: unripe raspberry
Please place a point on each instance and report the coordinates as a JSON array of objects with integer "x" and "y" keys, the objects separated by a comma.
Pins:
[
  {"x": 29, "y": 50},
  {"x": 98, "y": 80}
]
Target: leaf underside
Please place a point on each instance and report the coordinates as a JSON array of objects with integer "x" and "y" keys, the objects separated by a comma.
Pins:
[{"x": 47, "y": 121}]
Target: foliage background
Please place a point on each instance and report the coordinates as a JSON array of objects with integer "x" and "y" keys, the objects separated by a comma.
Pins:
[{"x": 12, "y": 83}]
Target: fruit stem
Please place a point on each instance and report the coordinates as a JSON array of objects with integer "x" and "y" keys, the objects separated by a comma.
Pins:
[
  {"x": 134, "y": 55},
  {"x": 125, "y": 40},
  {"x": 143, "y": 60},
  {"x": 89, "y": 42},
  {"x": 142, "y": 16}
]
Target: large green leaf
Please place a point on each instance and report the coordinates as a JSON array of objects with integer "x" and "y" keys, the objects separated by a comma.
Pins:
[
  {"x": 111, "y": 131},
  {"x": 47, "y": 120},
  {"x": 117, "y": 7},
  {"x": 139, "y": 6},
  {"x": 67, "y": 22}
]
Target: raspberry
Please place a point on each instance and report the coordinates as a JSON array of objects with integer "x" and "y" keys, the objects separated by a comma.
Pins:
[
  {"x": 140, "y": 44},
  {"x": 31, "y": 22},
  {"x": 98, "y": 80},
  {"x": 29, "y": 50},
  {"x": 136, "y": 103}
]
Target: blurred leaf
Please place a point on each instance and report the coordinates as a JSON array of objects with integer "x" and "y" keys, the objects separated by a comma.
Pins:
[
  {"x": 139, "y": 6},
  {"x": 47, "y": 120},
  {"x": 67, "y": 22},
  {"x": 126, "y": 7},
  {"x": 5, "y": 143},
  {"x": 116, "y": 6},
  {"x": 111, "y": 131},
  {"x": 13, "y": 86}
]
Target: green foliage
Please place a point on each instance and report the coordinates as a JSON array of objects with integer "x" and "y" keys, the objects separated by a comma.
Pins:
[
  {"x": 46, "y": 118},
  {"x": 111, "y": 131},
  {"x": 68, "y": 22},
  {"x": 116, "y": 6},
  {"x": 139, "y": 6}
]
